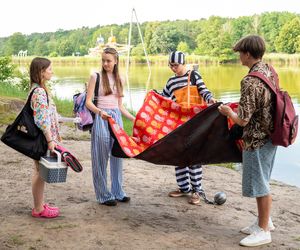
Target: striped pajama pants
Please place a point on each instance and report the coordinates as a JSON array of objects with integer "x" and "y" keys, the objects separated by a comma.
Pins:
[
  {"x": 189, "y": 178},
  {"x": 101, "y": 145}
]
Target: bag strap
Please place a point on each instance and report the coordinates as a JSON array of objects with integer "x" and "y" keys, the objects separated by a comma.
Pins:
[
  {"x": 267, "y": 80},
  {"x": 188, "y": 88},
  {"x": 191, "y": 74},
  {"x": 191, "y": 78},
  {"x": 96, "y": 91},
  {"x": 29, "y": 99}
]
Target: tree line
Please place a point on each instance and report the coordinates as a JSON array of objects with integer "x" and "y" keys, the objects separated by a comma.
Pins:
[{"x": 214, "y": 36}]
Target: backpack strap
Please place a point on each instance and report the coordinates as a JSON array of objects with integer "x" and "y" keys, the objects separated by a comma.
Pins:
[
  {"x": 266, "y": 79},
  {"x": 275, "y": 76}
]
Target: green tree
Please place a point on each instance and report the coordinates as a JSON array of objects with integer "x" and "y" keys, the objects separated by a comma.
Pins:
[
  {"x": 52, "y": 46},
  {"x": 15, "y": 43},
  {"x": 287, "y": 41},
  {"x": 65, "y": 48},
  {"x": 298, "y": 45},
  {"x": 123, "y": 34},
  {"x": 149, "y": 31},
  {"x": 215, "y": 38},
  {"x": 2, "y": 46},
  {"x": 270, "y": 24},
  {"x": 165, "y": 39},
  {"x": 137, "y": 50},
  {"x": 79, "y": 40},
  {"x": 243, "y": 26},
  {"x": 184, "y": 47}
]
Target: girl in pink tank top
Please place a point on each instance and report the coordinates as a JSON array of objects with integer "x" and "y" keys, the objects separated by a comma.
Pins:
[{"x": 109, "y": 104}]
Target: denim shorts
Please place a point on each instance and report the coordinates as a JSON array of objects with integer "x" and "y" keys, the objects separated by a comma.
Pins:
[{"x": 257, "y": 169}]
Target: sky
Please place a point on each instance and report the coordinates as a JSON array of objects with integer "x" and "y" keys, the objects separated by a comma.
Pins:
[{"x": 29, "y": 16}]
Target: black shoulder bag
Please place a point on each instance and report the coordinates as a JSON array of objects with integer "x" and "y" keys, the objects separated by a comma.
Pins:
[{"x": 24, "y": 136}]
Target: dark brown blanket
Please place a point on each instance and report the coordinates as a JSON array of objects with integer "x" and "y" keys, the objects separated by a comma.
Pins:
[{"x": 203, "y": 139}]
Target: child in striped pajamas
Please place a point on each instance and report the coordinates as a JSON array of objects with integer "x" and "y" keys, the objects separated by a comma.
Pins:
[
  {"x": 188, "y": 178},
  {"x": 109, "y": 104}
]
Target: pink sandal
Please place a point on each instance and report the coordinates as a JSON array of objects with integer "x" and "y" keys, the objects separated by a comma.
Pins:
[
  {"x": 46, "y": 213},
  {"x": 51, "y": 208}
]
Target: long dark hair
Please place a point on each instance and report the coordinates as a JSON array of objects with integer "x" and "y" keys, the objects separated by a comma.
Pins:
[
  {"x": 106, "y": 87},
  {"x": 37, "y": 66}
]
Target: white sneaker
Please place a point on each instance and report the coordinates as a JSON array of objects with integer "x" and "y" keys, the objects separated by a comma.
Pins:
[
  {"x": 254, "y": 227},
  {"x": 257, "y": 238}
]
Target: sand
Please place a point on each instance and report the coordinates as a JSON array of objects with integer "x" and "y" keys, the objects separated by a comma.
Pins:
[{"x": 151, "y": 220}]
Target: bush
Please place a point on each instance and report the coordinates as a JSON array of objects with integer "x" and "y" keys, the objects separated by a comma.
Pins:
[
  {"x": 6, "y": 68},
  {"x": 53, "y": 54},
  {"x": 23, "y": 80}
]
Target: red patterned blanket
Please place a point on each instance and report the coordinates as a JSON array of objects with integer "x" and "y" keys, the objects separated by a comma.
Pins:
[{"x": 167, "y": 133}]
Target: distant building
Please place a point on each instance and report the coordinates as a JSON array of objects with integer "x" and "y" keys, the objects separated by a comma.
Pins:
[{"x": 111, "y": 43}]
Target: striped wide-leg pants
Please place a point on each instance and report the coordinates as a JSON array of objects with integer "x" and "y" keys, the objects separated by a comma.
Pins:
[
  {"x": 101, "y": 145},
  {"x": 189, "y": 178}
]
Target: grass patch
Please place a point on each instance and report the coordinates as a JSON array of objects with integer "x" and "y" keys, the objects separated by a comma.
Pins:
[
  {"x": 127, "y": 125},
  {"x": 64, "y": 107},
  {"x": 9, "y": 90}
]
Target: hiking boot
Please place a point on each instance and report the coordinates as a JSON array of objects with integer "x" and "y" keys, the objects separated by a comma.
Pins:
[
  {"x": 257, "y": 238},
  {"x": 254, "y": 227},
  {"x": 195, "y": 199},
  {"x": 178, "y": 193}
]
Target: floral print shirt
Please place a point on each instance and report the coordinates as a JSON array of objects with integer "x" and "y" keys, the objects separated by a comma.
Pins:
[
  {"x": 257, "y": 105},
  {"x": 45, "y": 115}
]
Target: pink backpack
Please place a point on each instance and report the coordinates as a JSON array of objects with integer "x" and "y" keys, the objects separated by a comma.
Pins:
[{"x": 285, "y": 119}]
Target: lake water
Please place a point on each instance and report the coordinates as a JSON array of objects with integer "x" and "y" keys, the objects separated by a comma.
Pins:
[{"x": 223, "y": 81}]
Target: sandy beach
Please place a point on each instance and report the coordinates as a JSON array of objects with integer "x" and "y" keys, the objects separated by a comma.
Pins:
[{"x": 151, "y": 220}]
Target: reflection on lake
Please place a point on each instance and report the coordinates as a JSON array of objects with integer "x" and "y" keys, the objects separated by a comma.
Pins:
[{"x": 223, "y": 81}]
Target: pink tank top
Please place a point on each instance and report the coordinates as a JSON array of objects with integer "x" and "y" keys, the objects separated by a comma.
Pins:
[{"x": 108, "y": 101}]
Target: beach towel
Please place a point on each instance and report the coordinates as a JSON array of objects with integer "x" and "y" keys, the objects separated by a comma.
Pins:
[{"x": 166, "y": 133}]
